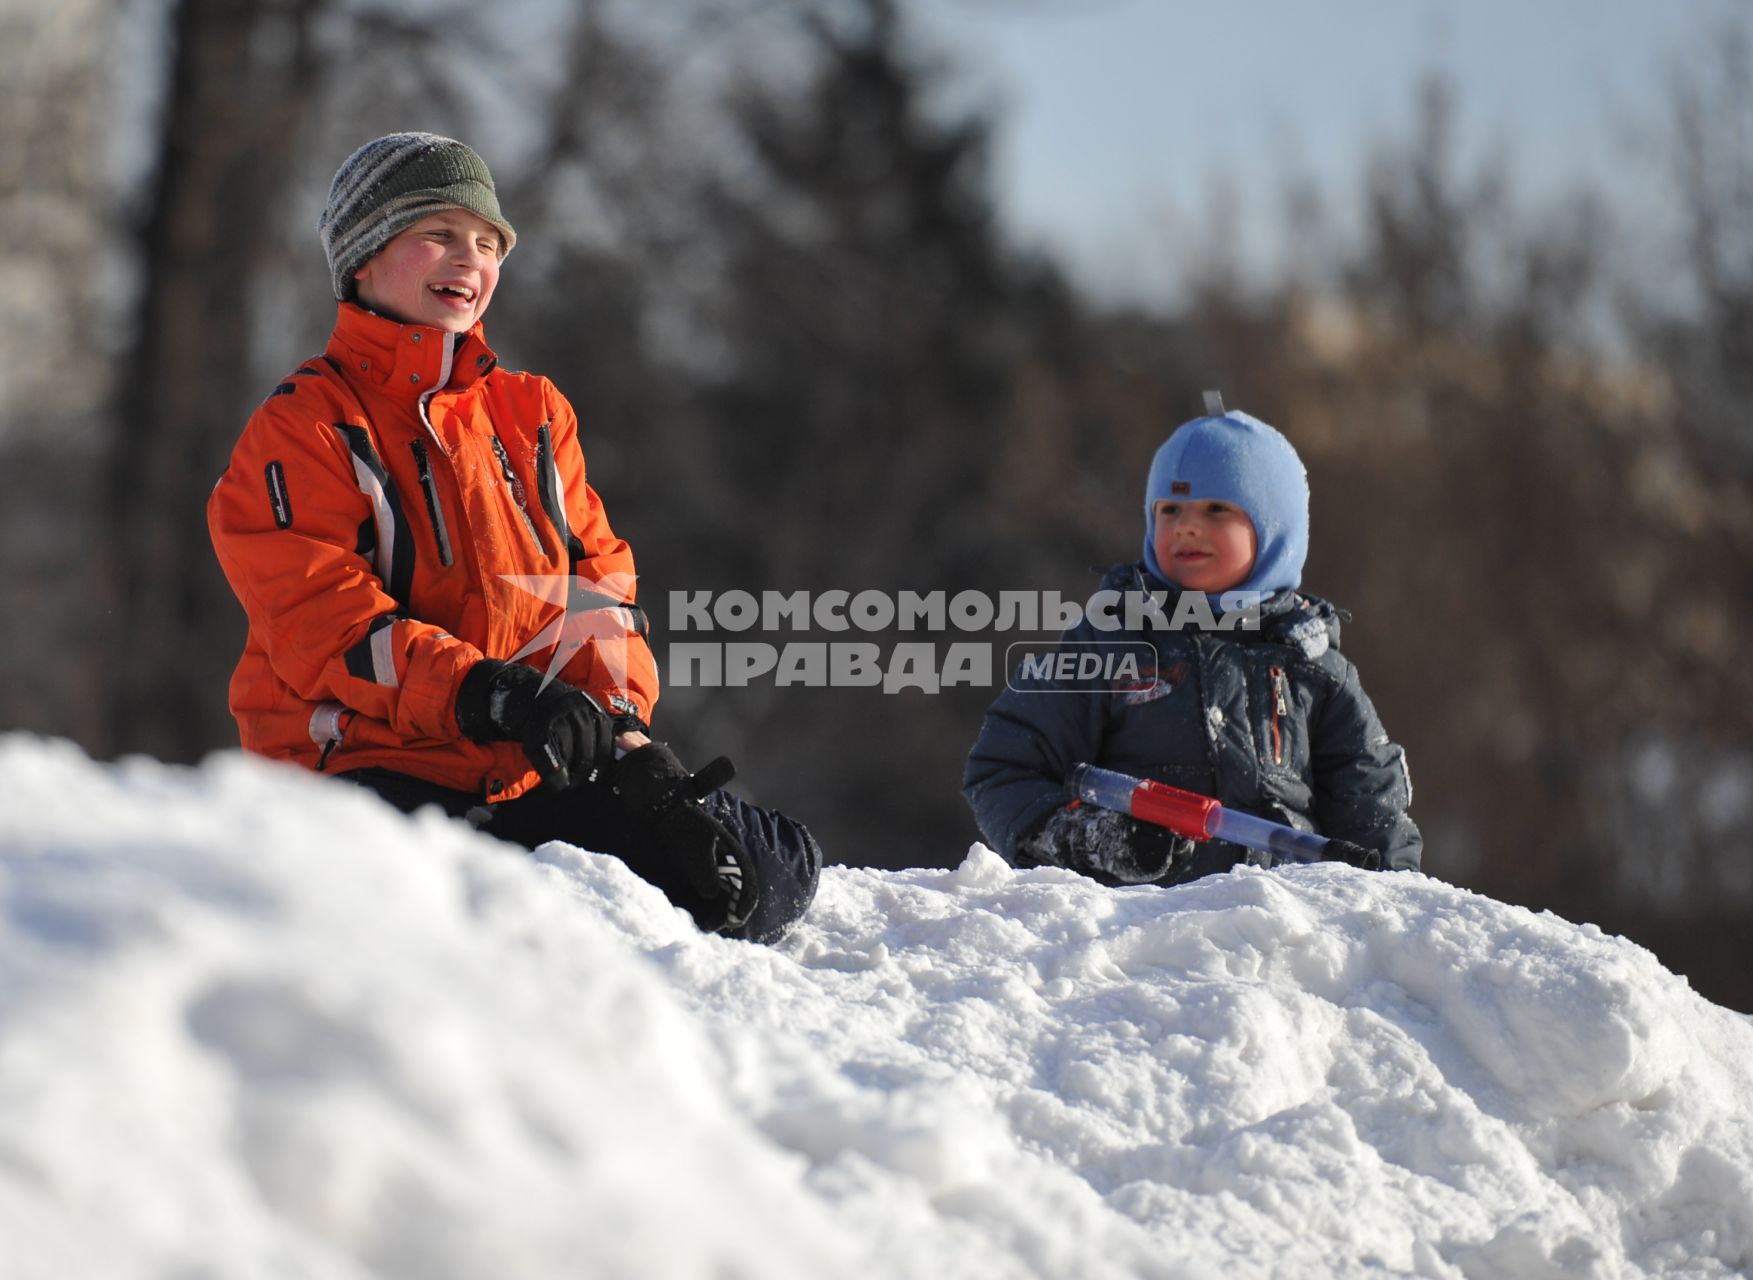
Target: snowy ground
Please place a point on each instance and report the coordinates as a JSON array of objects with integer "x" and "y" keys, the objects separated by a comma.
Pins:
[{"x": 254, "y": 1025}]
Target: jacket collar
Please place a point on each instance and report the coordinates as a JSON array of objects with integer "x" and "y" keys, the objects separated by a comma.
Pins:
[
  {"x": 406, "y": 360},
  {"x": 1295, "y": 618}
]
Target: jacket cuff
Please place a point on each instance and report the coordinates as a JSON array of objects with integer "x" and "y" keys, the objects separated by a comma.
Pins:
[{"x": 627, "y": 714}]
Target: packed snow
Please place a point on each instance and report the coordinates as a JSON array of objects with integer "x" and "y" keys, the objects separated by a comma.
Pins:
[{"x": 253, "y": 1023}]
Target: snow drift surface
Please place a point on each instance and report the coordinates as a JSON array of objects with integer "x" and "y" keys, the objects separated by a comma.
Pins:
[{"x": 254, "y": 1024}]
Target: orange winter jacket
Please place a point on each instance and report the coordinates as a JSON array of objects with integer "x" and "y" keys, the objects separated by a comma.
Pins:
[{"x": 398, "y": 509}]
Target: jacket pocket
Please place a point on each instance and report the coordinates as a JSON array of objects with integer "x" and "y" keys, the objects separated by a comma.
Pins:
[
  {"x": 429, "y": 486},
  {"x": 553, "y": 494},
  {"x": 515, "y": 490}
]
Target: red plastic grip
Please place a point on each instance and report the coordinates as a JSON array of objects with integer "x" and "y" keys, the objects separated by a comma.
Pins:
[{"x": 1183, "y": 812}]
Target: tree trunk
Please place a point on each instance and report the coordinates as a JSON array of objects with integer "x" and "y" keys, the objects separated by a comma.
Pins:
[{"x": 241, "y": 87}]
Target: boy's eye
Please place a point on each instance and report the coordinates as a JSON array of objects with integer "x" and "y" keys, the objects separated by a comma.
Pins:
[{"x": 1170, "y": 509}]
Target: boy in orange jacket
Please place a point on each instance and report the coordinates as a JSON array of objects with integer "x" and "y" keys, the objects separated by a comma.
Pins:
[{"x": 438, "y": 609}]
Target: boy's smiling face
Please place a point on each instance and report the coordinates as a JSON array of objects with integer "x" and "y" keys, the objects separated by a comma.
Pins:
[
  {"x": 440, "y": 272},
  {"x": 1204, "y": 545}
]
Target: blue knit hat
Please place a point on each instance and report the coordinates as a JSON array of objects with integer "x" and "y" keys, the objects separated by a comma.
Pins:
[{"x": 1238, "y": 459}]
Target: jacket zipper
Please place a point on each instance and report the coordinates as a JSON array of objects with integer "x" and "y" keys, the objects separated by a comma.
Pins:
[
  {"x": 1280, "y": 709},
  {"x": 423, "y": 463},
  {"x": 515, "y": 488}
]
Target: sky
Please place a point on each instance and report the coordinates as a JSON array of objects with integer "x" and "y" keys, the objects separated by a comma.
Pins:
[
  {"x": 1118, "y": 114},
  {"x": 256, "y": 1023}
]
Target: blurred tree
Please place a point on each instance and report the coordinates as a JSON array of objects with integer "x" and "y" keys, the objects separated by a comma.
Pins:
[
  {"x": 237, "y": 104},
  {"x": 865, "y": 308},
  {"x": 1709, "y": 349},
  {"x": 875, "y": 334},
  {"x": 1676, "y": 793},
  {"x": 54, "y": 373}
]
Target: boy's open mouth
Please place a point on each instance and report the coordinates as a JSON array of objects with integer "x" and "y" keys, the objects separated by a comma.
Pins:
[{"x": 461, "y": 291}]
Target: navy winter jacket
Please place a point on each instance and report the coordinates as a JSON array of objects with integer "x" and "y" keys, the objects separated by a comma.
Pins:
[{"x": 1272, "y": 722}]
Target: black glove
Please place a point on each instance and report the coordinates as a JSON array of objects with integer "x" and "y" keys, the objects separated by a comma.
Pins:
[
  {"x": 566, "y": 735},
  {"x": 1355, "y": 854},
  {"x": 658, "y": 788},
  {"x": 1103, "y": 842}
]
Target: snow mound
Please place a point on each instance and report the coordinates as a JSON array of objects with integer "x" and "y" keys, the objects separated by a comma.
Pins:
[{"x": 252, "y": 1023}]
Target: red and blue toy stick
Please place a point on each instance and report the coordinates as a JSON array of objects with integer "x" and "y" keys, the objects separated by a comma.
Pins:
[{"x": 1201, "y": 818}]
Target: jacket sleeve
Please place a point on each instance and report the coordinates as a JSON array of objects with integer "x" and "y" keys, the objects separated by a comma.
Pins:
[
  {"x": 287, "y": 520},
  {"x": 1017, "y": 773},
  {"x": 615, "y": 665},
  {"x": 1361, "y": 784}
]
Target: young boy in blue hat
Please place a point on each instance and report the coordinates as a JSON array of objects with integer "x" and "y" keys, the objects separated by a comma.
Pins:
[{"x": 1266, "y": 716}]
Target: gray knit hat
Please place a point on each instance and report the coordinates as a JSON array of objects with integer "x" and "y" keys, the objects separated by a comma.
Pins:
[{"x": 391, "y": 183}]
